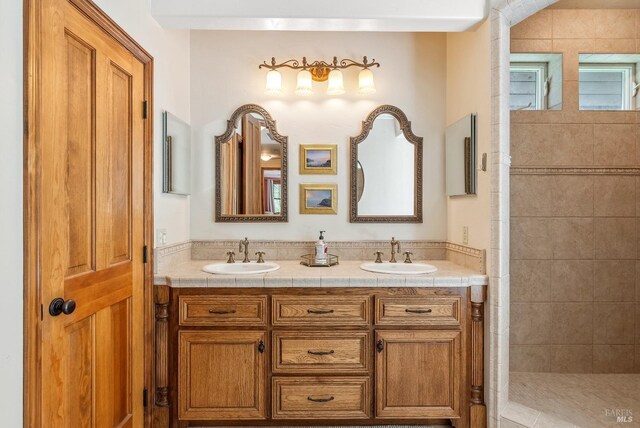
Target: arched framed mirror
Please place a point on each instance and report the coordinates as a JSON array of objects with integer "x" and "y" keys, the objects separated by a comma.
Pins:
[
  {"x": 389, "y": 155},
  {"x": 251, "y": 169}
]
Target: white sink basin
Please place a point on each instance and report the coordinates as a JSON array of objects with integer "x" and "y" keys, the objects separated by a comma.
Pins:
[
  {"x": 241, "y": 268},
  {"x": 399, "y": 268}
]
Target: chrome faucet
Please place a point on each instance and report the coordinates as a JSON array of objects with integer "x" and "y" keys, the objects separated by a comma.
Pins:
[
  {"x": 394, "y": 244},
  {"x": 244, "y": 244}
]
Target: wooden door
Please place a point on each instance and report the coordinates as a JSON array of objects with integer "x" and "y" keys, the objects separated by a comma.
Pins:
[
  {"x": 251, "y": 144},
  {"x": 435, "y": 356},
  {"x": 221, "y": 375},
  {"x": 89, "y": 133}
]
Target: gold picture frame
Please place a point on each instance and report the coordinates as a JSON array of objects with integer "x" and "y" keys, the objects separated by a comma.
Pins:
[
  {"x": 319, "y": 198},
  {"x": 318, "y": 159}
]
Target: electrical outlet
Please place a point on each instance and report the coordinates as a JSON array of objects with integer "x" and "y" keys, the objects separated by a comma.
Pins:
[
  {"x": 161, "y": 237},
  {"x": 465, "y": 235}
]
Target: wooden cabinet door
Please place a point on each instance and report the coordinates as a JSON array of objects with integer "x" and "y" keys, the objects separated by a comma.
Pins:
[
  {"x": 418, "y": 374},
  {"x": 221, "y": 375}
]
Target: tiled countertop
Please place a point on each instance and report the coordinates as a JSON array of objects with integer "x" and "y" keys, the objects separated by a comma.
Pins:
[{"x": 293, "y": 274}]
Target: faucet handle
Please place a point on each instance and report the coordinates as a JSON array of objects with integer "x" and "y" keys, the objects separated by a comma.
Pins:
[
  {"x": 378, "y": 255},
  {"x": 230, "y": 259},
  {"x": 408, "y": 255},
  {"x": 260, "y": 255}
]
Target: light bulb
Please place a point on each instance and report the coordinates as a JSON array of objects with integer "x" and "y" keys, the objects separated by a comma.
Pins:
[
  {"x": 336, "y": 86},
  {"x": 265, "y": 157},
  {"x": 274, "y": 82},
  {"x": 304, "y": 83},
  {"x": 365, "y": 82}
]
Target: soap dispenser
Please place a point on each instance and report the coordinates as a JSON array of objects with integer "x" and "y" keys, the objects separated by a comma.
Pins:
[{"x": 321, "y": 249}]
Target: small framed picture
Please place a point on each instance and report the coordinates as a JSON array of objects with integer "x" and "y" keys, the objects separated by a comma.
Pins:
[
  {"x": 318, "y": 159},
  {"x": 319, "y": 198}
]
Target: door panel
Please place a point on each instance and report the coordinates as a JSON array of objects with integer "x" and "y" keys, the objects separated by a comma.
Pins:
[
  {"x": 80, "y": 362},
  {"x": 402, "y": 394},
  {"x": 118, "y": 166},
  {"x": 80, "y": 177},
  {"x": 91, "y": 229},
  {"x": 113, "y": 368}
]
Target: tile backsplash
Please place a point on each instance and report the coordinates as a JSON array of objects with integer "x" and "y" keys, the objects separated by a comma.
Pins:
[{"x": 292, "y": 250}]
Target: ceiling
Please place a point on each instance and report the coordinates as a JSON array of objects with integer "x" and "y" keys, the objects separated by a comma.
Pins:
[
  {"x": 597, "y": 4},
  {"x": 326, "y": 15}
]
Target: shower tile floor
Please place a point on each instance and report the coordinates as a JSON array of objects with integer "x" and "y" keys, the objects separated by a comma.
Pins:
[{"x": 586, "y": 400}]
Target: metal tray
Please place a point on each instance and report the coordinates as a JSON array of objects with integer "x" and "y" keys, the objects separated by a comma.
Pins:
[{"x": 310, "y": 260}]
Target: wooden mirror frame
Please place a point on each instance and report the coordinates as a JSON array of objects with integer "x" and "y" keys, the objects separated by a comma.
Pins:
[
  {"x": 405, "y": 125},
  {"x": 221, "y": 139}
]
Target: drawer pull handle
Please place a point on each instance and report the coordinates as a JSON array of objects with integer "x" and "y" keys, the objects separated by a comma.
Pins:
[
  {"x": 320, "y": 400},
  {"x": 418, "y": 311},
  {"x": 319, "y": 311},
  {"x": 380, "y": 346},
  {"x": 217, "y": 312},
  {"x": 261, "y": 347},
  {"x": 321, "y": 352}
]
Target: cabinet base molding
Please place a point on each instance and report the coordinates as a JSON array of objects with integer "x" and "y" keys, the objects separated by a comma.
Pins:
[{"x": 320, "y": 357}]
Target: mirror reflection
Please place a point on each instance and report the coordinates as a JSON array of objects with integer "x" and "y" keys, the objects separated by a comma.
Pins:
[
  {"x": 389, "y": 156},
  {"x": 176, "y": 155},
  {"x": 251, "y": 184},
  {"x": 536, "y": 81},
  {"x": 609, "y": 81},
  {"x": 460, "y": 156}
]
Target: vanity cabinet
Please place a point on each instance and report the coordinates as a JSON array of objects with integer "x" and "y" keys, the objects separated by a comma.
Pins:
[{"x": 319, "y": 356}]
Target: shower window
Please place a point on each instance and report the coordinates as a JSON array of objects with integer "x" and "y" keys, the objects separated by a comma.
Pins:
[
  {"x": 607, "y": 86},
  {"x": 528, "y": 86},
  {"x": 536, "y": 81}
]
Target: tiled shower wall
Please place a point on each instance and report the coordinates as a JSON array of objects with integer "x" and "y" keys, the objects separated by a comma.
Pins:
[{"x": 575, "y": 210}]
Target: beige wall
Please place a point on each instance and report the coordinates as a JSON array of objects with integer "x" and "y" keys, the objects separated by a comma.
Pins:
[
  {"x": 469, "y": 91},
  {"x": 225, "y": 75},
  {"x": 575, "y": 289},
  {"x": 11, "y": 212}
]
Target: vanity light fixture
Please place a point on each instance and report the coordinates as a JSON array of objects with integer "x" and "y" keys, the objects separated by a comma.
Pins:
[
  {"x": 365, "y": 82},
  {"x": 320, "y": 71},
  {"x": 336, "y": 84},
  {"x": 304, "y": 83},
  {"x": 266, "y": 157},
  {"x": 274, "y": 82}
]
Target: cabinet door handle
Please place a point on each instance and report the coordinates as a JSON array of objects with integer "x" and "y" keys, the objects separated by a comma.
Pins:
[
  {"x": 418, "y": 311},
  {"x": 380, "y": 346},
  {"x": 219, "y": 312},
  {"x": 320, "y": 311},
  {"x": 320, "y": 400},
  {"x": 261, "y": 347},
  {"x": 320, "y": 352}
]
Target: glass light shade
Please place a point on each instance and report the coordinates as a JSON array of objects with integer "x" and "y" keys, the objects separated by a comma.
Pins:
[
  {"x": 365, "y": 82},
  {"x": 304, "y": 83},
  {"x": 274, "y": 82},
  {"x": 336, "y": 85}
]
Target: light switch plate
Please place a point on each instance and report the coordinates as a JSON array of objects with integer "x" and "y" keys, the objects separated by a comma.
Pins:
[{"x": 161, "y": 237}]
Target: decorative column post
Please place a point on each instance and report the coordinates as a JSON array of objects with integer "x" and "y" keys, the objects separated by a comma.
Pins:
[{"x": 478, "y": 408}]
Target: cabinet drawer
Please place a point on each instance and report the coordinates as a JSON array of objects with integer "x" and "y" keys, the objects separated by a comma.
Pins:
[
  {"x": 304, "y": 352},
  {"x": 321, "y": 310},
  {"x": 418, "y": 310},
  {"x": 321, "y": 398},
  {"x": 223, "y": 311}
]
